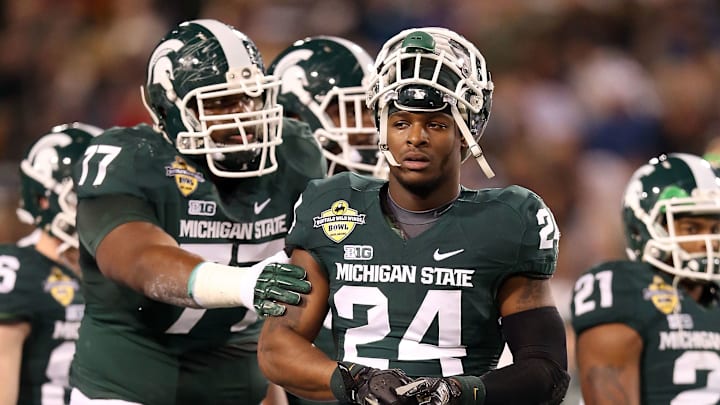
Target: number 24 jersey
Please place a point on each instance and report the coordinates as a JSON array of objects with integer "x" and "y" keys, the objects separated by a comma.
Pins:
[{"x": 426, "y": 304}]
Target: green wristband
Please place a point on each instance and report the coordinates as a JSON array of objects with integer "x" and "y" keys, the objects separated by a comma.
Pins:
[
  {"x": 191, "y": 281},
  {"x": 472, "y": 389}
]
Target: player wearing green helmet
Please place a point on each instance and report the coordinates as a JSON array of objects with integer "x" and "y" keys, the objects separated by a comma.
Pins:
[
  {"x": 40, "y": 301},
  {"x": 175, "y": 221},
  {"x": 323, "y": 84},
  {"x": 425, "y": 279},
  {"x": 648, "y": 328}
]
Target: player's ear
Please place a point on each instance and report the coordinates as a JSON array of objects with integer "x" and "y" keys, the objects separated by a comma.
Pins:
[{"x": 463, "y": 141}]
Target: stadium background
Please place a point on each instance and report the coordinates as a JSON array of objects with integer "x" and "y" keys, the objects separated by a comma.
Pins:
[{"x": 586, "y": 90}]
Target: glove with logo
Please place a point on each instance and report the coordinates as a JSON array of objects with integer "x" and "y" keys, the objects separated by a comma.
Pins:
[
  {"x": 279, "y": 284},
  {"x": 363, "y": 385},
  {"x": 431, "y": 391}
]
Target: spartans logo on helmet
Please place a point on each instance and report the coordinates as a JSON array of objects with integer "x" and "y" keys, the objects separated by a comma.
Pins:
[
  {"x": 46, "y": 185},
  {"x": 202, "y": 67},
  {"x": 658, "y": 193},
  {"x": 433, "y": 69},
  {"x": 323, "y": 84}
]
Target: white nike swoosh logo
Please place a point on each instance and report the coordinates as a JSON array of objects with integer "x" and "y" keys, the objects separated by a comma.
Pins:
[
  {"x": 258, "y": 208},
  {"x": 442, "y": 256}
]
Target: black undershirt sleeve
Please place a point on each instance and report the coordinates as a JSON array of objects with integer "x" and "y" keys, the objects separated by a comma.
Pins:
[{"x": 538, "y": 374}]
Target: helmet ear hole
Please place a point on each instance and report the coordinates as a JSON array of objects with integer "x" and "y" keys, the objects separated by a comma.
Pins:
[{"x": 43, "y": 202}]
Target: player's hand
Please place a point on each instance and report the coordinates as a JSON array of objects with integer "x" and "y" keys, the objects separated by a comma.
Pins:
[
  {"x": 371, "y": 386},
  {"x": 431, "y": 391},
  {"x": 279, "y": 284}
]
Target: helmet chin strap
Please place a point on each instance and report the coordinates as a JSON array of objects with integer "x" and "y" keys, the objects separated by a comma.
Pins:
[
  {"x": 382, "y": 142},
  {"x": 472, "y": 144}
]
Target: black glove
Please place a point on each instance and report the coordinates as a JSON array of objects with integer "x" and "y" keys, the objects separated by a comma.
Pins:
[
  {"x": 363, "y": 385},
  {"x": 431, "y": 391},
  {"x": 279, "y": 284}
]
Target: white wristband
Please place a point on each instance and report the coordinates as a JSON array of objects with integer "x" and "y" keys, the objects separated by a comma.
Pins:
[{"x": 214, "y": 285}]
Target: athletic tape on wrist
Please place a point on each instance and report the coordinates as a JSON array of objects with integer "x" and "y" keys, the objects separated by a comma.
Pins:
[{"x": 213, "y": 285}]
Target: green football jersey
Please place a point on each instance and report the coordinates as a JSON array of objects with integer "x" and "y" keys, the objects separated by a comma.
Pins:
[
  {"x": 680, "y": 361},
  {"x": 428, "y": 304},
  {"x": 137, "y": 349},
  {"x": 46, "y": 294}
]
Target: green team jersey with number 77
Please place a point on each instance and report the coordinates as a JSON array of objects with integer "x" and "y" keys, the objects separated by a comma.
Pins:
[{"x": 149, "y": 351}]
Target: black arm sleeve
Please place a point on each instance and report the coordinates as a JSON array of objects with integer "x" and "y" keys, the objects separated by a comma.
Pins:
[{"x": 538, "y": 374}]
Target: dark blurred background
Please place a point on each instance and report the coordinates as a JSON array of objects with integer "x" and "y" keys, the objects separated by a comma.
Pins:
[{"x": 586, "y": 90}]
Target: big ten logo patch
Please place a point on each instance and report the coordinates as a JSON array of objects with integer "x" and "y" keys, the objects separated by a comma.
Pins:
[{"x": 357, "y": 252}]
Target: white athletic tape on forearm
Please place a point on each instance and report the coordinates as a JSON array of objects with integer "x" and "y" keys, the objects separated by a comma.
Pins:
[{"x": 214, "y": 285}]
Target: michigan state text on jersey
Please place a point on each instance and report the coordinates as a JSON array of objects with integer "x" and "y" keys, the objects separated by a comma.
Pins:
[
  {"x": 417, "y": 271},
  {"x": 425, "y": 304},
  {"x": 45, "y": 294},
  {"x": 649, "y": 327},
  {"x": 681, "y": 338},
  {"x": 173, "y": 345},
  {"x": 174, "y": 219}
]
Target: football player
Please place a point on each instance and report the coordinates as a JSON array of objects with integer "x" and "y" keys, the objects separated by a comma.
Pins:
[
  {"x": 40, "y": 301},
  {"x": 425, "y": 279},
  {"x": 323, "y": 84},
  {"x": 173, "y": 220},
  {"x": 648, "y": 328}
]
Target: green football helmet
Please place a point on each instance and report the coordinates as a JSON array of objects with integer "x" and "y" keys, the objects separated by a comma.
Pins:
[
  {"x": 325, "y": 77},
  {"x": 669, "y": 186},
  {"x": 433, "y": 69},
  {"x": 201, "y": 63},
  {"x": 48, "y": 200}
]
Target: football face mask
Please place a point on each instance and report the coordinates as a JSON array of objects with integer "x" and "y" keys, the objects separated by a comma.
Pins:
[
  {"x": 662, "y": 197},
  {"x": 200, "y": 66},
  {"x": 433, "y": 69}
]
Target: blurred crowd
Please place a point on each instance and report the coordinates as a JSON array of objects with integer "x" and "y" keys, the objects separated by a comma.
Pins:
[{"x": 585, "y": 90}]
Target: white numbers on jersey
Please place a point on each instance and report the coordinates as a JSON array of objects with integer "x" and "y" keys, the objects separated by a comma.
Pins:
[
  {"x": 685, "y": 372},
  {"x": 443, "y": 304},
  {"x": 549, "y": 231},
  {"x": 584, "y": 288},
  {"x": 189, "y": 317},
  {"x": 57, "y": 372},
  {"x": 9, "y": 265},
  {"x": 110, "y": 152}
]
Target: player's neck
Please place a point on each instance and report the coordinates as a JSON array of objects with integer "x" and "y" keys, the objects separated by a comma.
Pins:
[{"x": 435, "y": 198}]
